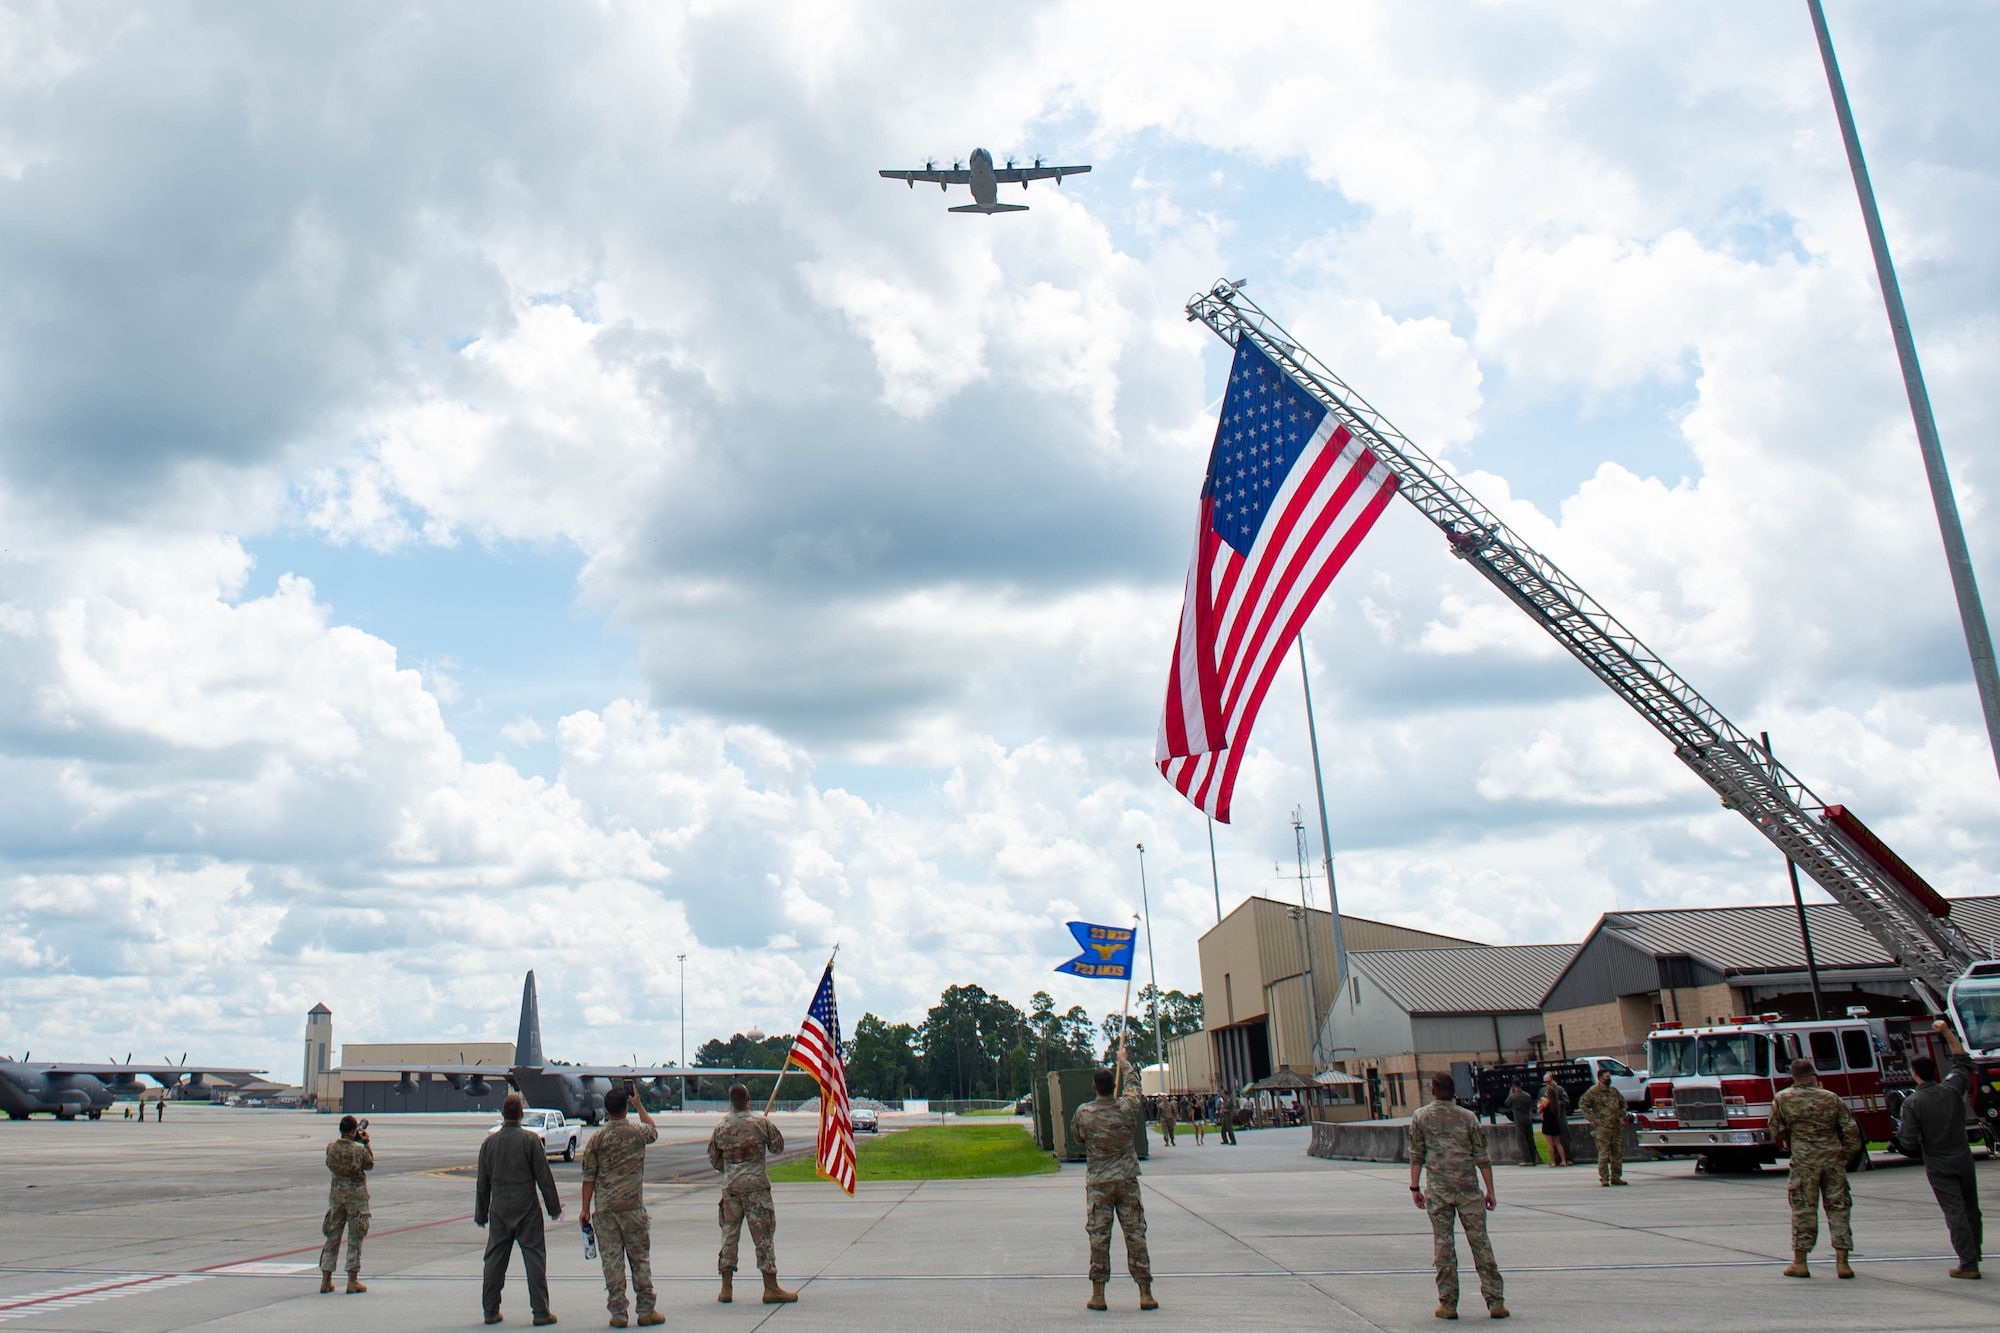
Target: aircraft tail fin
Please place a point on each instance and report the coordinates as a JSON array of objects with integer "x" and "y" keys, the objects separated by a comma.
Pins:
[
  {"x": 990, "y": 208},
  {"x": 528, "y": 1041}
]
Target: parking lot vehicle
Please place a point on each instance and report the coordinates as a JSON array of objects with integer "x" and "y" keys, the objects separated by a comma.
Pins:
[
  {"x": 865, "y": 1120},
  {"x": 559, "y": 1136},
  {"x": 1709, "y": 1089},
  {"x": 1630, "y": 1083}
]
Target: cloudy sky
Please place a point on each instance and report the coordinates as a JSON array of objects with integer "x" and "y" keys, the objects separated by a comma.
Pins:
[{"x": 495, "y": 486}]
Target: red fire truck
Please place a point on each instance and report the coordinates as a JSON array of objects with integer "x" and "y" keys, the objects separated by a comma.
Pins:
[{"x": 1709, "y": 1089}]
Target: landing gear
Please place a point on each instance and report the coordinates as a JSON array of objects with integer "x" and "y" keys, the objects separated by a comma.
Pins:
[
  {"x": 96, "y": 1113},
  {"x": 17, "y": 1115}
]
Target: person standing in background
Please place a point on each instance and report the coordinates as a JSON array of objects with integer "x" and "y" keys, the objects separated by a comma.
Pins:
[{"x": 1555, "y": 1115}]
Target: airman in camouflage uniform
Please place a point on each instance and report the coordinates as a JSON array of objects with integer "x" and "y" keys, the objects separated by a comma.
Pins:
[
  {"x": 1604, "y": 1107},
  {"x": 1823, "y": 1137},
  {"x": 614, "y": 1171},
  {"x": 1447, "y": 1138},
  {"x": 737, "y": 1149},
  {"x": 1108, "y": 1128},
  {"x": 348, "y": 1159}
]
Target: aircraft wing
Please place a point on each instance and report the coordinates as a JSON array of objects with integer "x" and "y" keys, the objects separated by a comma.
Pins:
[
  {"x": 151, "y": 1071},
  {"x": 441, "y": 1071},
  {"x": 580, "y": 1071},
  {"x": 662, "y": 1071},
  {"x": 1022, "y": 175},
  {"x": 936, "y": 177}
]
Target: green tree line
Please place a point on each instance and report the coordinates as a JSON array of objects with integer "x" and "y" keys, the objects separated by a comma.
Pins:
[{"x": 971, "y": 1044}]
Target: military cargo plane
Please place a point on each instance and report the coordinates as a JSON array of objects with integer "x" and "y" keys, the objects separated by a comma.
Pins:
[
  {"x": 69, "y": 1089},
  {"x": 575, "y": 1090},
  {"x": 985, "y": 180}
]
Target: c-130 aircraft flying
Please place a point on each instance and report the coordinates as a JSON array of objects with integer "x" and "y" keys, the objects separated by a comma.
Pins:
[{"x": 985, "y": 180}]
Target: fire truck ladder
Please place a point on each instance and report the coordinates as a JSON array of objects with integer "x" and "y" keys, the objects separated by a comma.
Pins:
[{"x": 1888, "y": 898}]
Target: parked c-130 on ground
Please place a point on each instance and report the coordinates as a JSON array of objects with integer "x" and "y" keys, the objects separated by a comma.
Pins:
[
  {"x": 985, "y": 180},
  {"x": 67, "y": 1090},
  {"x": 575, "y": 1090}
]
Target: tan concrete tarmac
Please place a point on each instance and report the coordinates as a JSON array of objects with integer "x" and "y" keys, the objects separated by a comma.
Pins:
[{"x": 212, "y": 1220}]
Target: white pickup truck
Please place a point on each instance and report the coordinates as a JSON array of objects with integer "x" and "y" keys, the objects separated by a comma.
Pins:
[
  {"x": 559, "y": 1136},
  {"x": 1630, "y": 1083}
]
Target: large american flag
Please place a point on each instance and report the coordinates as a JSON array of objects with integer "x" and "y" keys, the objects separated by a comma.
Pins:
[
  {"x": 1288, "y": 497},
  {"x": 818, "y": 1051}
]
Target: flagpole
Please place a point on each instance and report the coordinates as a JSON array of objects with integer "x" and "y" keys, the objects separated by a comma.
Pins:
[
  {"x": 786, "y": 1067},
  {"x": 1958, "y": 557},
  {"x": 1214, "y": 875},
  {"x": 1124, "y": 1022},
  {"x": 1326, "y": 845},
  {"x": 1153, "y": 969}
]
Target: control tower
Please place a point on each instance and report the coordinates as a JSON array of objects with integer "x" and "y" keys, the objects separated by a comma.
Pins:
[{"x": 319, "y": 1052}]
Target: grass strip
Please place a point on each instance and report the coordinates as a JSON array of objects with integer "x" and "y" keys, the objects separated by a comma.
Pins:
[{"x": 939, "y": 1152}]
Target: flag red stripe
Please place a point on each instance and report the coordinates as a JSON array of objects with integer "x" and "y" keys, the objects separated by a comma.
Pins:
[{"x": 1318, "y": 512}]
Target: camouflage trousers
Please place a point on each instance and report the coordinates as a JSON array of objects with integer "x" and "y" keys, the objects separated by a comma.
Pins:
[
  {"x": 1610, "y": 1153},
  {"x": 1818, "y": 1181},
  {"x": 755, "y": 1208},
  {"x": 1102, "y": 1201},
  {"x": 349, "y": 1216},
  {"x": 625, "y": 1237},
  {"x": 1445, "y": 1209}
]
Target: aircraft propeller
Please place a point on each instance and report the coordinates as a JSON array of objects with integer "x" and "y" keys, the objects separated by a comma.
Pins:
[
  {"x": 1038, "y": 161},
  {"x": 1010, "y": 163}
]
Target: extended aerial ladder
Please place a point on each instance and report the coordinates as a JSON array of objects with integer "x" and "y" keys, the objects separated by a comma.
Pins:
[{"x": 1890, "y": 900}]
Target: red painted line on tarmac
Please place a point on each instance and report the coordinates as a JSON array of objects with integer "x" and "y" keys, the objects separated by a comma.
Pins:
[
  {"x": 212, "y": 1268},
  {"x": 315, "y": 1249},
  {"x": 86, "y": 1291}
]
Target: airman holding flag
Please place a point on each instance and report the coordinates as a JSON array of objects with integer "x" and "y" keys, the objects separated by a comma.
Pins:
[{"x": 1109, "y": 1127}]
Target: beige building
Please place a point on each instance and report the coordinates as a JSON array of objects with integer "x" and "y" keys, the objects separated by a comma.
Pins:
[
  {"x": 371, "y": 1093},
  {"x": 1267, "y": 982}
]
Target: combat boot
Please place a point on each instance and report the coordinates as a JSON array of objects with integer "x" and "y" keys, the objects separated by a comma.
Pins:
[
  {"x": 1096, "y": 1301},
  {"x": 651, "y": 1317},
  {"x": 1446, "y": 1312},
  {"x": 1798, "y": 1268},
  {"x": 326, "y": 1280},
  {"x": 1840, "y": 1268},
  {"x": 354, "y": 1282},
  {"x": 1146, "y": 1301},
  {"x": 775, "y": 1294},
  {"x": 1972, "y": 1273},
  {"x": 728, "y": 1288},
  {"x": 1497, "y": 1311},
  {"x": 618, "y": 1321}
]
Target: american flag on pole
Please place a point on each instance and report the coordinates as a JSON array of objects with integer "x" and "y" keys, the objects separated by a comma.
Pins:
[
  {"x": 1288, "y": 497},
  {"x": 818, "y": 1051}
]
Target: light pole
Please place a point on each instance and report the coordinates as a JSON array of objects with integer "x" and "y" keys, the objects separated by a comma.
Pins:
[
  {"x": 1159, "y": 1046},
  {"x": 684, "y": 1025},
  {"x": 1972, "y": 617}
]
